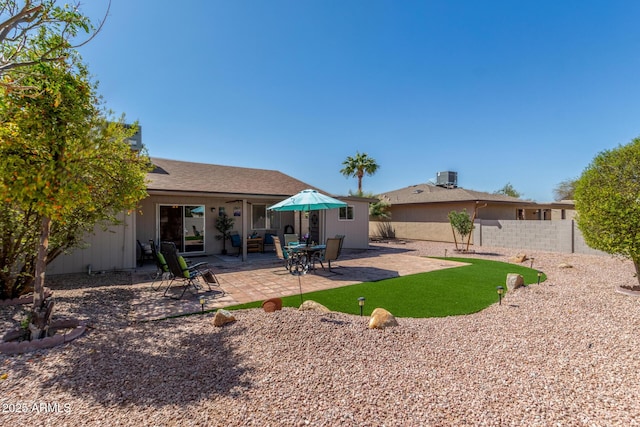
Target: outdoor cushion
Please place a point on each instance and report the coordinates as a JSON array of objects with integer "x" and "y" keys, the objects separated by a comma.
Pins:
[
  {"x": 184, "y": 267},
  {"x": 163, "y": 262}
]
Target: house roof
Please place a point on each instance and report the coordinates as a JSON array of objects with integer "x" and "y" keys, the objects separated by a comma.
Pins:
[
  {"x": 427, "y": 193},
  {"x": 180, "y": 176}
]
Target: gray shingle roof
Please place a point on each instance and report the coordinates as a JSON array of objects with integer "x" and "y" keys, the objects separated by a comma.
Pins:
[
  {"x": 426, "y": 193},
  {"x": 180, "y": 176}
]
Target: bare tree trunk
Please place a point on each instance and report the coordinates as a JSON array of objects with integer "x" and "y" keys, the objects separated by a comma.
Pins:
[
  {"x": 455, "y": 240},
  {"x": 636, "y": 264},
  {"x": 475, "y": 211},
  {"x": 41, "y": 308}
]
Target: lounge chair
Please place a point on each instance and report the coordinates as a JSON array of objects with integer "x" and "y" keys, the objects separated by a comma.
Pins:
[
  {"x": 188, "y": 275},
  {"x": 162, "y": 272}
]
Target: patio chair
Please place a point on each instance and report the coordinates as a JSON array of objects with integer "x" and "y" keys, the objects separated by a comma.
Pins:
[
  {"x": 282, "y": 253},
  {"x": 330, "y": 253},
  {"x": 144, "y": 253},
  {"x": 341, "y": 237},
  {"x": 290, "y": 238},
  {"x": 187, "y": 275},
  {"x": 236, "y": 242},
  {"x": 268, "y": 239}
]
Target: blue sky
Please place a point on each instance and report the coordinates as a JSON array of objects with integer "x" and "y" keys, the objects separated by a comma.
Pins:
[{"x": 520, "y": 92}]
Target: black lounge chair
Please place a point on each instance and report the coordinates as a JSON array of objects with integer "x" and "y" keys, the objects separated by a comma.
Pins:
[{"x": 188, "y": 275}]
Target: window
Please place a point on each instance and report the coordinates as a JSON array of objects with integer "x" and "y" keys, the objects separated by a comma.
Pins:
[
  {"x": 346, "y": 213},
  {"x": 262, "y": 219}
]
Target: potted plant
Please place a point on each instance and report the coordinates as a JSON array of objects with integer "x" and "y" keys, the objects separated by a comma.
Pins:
[{"x": 224, "y": 224}]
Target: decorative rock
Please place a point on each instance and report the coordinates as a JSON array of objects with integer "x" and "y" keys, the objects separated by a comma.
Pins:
[
  {"x": 272, "y": 305},
  {"x": 381, "y": 318},
  {"x": 222, "y": 317},
  {"x": 514, "y": 281},
  {"x": 565, "y": 265},
  {"x": 314, "y": 306},
  {"x": 520, "y": 258}
]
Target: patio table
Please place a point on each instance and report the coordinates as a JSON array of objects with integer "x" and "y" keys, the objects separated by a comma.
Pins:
[{"x": 302, "y": 256}]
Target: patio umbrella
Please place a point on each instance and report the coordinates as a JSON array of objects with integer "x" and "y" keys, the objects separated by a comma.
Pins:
[
  {"x": 308, "y": 200},
  {"x": 304, "y": 201}
]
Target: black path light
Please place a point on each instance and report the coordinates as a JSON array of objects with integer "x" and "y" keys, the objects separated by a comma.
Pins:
[
  {"x": 202, "y": 301},
  {"x": 361, "y": 304},
  {"x": 500, "y": 291},
  {"x": 539, "y": 276}
]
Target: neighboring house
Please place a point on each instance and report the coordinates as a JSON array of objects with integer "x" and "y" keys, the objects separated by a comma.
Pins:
[
  {"x": 421, "y": 211},
  {"x": 185, "y": 198}
]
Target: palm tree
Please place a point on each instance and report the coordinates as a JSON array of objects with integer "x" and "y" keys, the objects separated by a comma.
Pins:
[{"x": 357, "y": 166}]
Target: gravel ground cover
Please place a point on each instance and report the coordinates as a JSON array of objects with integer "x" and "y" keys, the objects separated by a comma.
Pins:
[{"x": 564, "y": 352}]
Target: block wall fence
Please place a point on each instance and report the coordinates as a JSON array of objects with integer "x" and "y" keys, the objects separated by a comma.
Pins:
[{"x": 552, "y": 236}]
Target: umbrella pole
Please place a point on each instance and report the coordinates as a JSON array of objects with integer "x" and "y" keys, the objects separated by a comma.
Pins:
[{"x": 300, "y": 286}]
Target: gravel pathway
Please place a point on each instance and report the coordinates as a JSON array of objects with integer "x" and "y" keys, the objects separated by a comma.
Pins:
[{"x": 564, "y": 352}]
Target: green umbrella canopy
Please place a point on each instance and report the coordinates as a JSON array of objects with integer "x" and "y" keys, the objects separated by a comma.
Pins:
[{"x": 307, "y": 200}]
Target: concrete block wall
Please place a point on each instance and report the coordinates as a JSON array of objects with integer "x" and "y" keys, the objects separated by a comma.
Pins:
[{"x": 553, "y": 236}]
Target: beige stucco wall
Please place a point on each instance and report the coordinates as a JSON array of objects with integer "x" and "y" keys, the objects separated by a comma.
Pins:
[
  {"x": 356, "y": 232},
  {"x": 116, "y": 249},
  {"x": 431, "y": 222}
]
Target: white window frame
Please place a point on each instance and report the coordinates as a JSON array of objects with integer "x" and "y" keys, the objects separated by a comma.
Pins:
[
  {"x": 271, "y": 221},
  {"x": 346, "y": 213}
]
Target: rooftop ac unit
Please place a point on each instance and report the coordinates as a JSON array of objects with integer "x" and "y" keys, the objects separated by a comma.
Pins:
[{"x": 447, "y": 179}]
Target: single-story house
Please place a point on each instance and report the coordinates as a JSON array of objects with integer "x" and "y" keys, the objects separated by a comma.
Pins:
[
  {"x": 185, "y": 199},
  {"x": 421, "y": 211}
]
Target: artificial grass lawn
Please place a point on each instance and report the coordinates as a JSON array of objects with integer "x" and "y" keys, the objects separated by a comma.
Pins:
[{"x": 448, "y": 292}]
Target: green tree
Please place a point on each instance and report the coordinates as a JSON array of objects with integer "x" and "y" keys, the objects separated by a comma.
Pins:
[
  {"x": 565, "y": 190},
  {"x": 462, "y": 223},
  {"x": 38, "y": 31},
  {"x": 358, "y": 166},
  {"x": 607, "y": 197},
  {"x": 508, "y": 190},
  {"x": 224, "y": 224},
  {"x": 62, "y": 164}
]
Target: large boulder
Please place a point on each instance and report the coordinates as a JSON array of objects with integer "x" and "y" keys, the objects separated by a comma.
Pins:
[
  {"x": 381, "y": 318},
  {"x": 514, "y": 281},
  {"x": 223, "y": 317},
  {"x": 314, "y": 306}
]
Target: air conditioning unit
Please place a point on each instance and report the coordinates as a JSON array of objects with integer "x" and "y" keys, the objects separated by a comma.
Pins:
[{"x": 447, "y": 179}]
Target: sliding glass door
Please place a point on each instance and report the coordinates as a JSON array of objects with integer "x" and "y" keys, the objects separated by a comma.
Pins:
[{"x": 184, "y": 226}]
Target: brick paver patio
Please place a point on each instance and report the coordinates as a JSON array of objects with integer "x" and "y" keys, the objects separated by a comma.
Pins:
[{"x": 263, "y": 276}]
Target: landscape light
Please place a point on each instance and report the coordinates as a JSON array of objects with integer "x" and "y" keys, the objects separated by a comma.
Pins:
[
  {"x": 361, "y": 304},
  {"x": 539, "y": 276},
  {"x": 202, "y": 301},
  {"x": 500, "y": 291}
]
